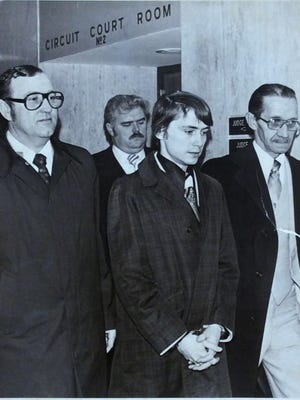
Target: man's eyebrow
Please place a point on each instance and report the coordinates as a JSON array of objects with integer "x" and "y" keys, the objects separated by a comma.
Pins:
[
  {"x": 133, "y": 120},
  {"x": 278, "y": 117},
  {"x": 190, "y": 126}
]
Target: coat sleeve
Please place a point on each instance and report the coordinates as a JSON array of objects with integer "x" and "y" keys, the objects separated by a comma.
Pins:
[
  {"x": 108, "y": 296},
  {"x": 154, "y": 317},
  {"x": 228, "y": 272}
]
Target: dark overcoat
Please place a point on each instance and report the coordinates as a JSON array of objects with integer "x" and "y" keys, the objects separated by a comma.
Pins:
[
  {"x": 253, "y": 224},
  {"x": 109, "y": 170},
  {"x": 51, "y": 318},
  {"x": 172, "y": 274}
]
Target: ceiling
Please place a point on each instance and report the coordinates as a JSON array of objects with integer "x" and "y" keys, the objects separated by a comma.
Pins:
[{"x": 137, "y": 51}]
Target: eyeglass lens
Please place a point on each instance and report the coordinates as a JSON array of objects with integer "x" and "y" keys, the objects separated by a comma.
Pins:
[
  {"x": 35, "y": 100},
  {"x": 291, "y": 125}
]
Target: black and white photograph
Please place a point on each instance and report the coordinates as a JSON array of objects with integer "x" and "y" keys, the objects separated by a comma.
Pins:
[{"x": 149, "y": 199}]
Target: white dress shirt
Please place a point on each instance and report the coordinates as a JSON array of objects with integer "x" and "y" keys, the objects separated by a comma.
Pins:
[
  {"x": 122, "y": 159},
  {"x": 29, "y": 154},
  {"x": 266, "y": 163}
]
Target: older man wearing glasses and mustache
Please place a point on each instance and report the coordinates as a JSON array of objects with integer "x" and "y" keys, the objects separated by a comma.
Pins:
[
  {"x": 51, "y": 318},
  {"x": 262, "y": 186}
]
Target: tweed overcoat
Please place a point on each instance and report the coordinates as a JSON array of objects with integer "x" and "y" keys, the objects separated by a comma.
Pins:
[
  {"x": 51, "y": 317},
  {"x": 172, "y": 274},
  {"x": 253, "y": 224},
  {"x": 109, "y": 170}
]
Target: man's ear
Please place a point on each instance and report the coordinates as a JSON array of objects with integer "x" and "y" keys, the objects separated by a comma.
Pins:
[
  {"x": 110, "y": 129},
  {"x": 5, "y": 110},
  {"x": 251, "y": 121}
]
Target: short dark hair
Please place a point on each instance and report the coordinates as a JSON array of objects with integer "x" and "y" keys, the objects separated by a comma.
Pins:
[
  {"x": 167, "y": 108},
  {"x": 256, "y": 102},
  {"x": 15, "y": 72},
  {"x": 5, "y": 81},
  {"x": 122, "y": 102}
]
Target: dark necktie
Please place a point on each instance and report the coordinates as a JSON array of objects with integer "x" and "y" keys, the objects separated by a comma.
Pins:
[
  {"x": 40, "y": 161},
  {"x": 274, "y": 183},
  {"x": 190, "y": 195}
]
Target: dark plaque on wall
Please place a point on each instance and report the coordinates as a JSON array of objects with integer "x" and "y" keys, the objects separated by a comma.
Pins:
[
  {"x": 238, "y": 144},
  {"x": 239, "y": 126}
]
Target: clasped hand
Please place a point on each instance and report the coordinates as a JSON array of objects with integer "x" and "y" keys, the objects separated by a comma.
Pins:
[{"x": 200, "y": 350}]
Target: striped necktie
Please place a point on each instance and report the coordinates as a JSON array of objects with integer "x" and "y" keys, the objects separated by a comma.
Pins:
[{"x": 133, "y": 160}]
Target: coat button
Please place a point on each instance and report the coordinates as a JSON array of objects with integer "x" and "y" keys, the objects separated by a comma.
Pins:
[
  {"x": 188, "y": 229},
  {"x": 252, "y": 318},
  {"x": 258, "y": 274}
]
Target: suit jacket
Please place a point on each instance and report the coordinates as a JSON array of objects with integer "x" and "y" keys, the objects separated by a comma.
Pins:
[
  {"x": 172, "y": 274},
  {"x": 253, "y": 224},
  {"x": 51, "y": 318}
]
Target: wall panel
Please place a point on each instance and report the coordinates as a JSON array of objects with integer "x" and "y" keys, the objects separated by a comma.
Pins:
[
  {"x": 18, "y": 33},
  {"x": 87, "y": 88},
  {"x": 229, "y": 48}
]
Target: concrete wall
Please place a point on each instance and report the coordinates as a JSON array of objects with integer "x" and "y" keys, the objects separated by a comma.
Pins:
[
  {"x": 18, "y": 33},
  {"x": 87, "y": 88},
  {"x": 229, "y": 48}
]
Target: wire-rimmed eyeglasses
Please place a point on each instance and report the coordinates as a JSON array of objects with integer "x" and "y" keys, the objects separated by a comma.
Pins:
[
  {"x": 33, "y": 101},
  {"x": 277, "y": 123}
]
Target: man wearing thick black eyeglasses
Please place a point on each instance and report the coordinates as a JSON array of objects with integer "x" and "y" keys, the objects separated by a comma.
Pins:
[
  {"x": 51, "y": 319},
  {"x": 262, "y": 186}
]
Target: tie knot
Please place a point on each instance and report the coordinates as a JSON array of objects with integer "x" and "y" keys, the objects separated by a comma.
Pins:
[
  {"x": 276, "y": 166},
  {"x": 133, "y": 158},
  {"x": 40, "y": 160}
]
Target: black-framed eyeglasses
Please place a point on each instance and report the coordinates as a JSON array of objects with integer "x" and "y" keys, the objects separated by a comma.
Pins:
[
  {"x": 33, "y": 101},
  {"x": 277, "y": 123}
]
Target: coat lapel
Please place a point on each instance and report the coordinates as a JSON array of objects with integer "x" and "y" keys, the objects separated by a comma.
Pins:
[
  {"x": 151, "y": 175},
  {"x": 250, "y": 177},
  {"x": 60, "y": 162},
  {"x": 295, "y": 168},
  {"x": 12, "y": 163}
]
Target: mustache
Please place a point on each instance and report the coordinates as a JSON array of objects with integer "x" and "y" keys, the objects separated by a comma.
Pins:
[
  {"x": 280, "y": 140},
  {"x": 136, "y": 134}
]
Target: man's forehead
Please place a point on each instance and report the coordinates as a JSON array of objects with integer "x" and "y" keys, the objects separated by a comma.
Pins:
[
  {"x": 277, "y": 105},
  {"x": 23, "y": 85},
  {"x": 124, "y": 114}
]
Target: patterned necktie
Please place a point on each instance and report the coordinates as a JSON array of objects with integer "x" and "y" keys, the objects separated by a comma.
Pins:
[
  {"x": 133, "y": 160},
  {"x": 274, "y": 183},
  {"x": 40, "y": 161},
  {"x": 190, "y": 195}
]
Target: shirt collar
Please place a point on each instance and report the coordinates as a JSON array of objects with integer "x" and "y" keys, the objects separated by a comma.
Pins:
[
  {"x": 266, "y": 161},
  {"x": 28, "y": 154},
  {"x": 120, "y": 153},
  {"x": 122, "y": 158}
]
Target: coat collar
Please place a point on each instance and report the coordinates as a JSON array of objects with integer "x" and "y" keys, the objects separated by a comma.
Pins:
[
  {"x": 295, "y": 169},
  {"x": 10, "y": 162},
  {"x": 152, "y": 176}
]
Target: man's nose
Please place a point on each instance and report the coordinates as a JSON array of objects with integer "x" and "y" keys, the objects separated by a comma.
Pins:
[
  {"x": 135, "y": 127},
  {"x": 283, "y": 131},
  {"x": 46, "y": 106},
  {"x": 198, "y": 139}
]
